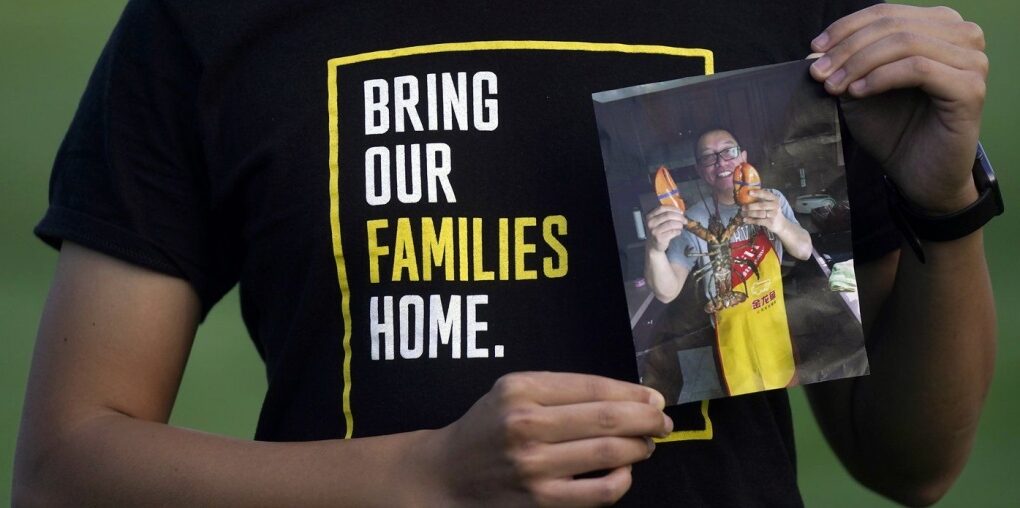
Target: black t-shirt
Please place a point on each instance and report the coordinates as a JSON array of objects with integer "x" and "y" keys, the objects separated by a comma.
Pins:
[{"x": 412, "y": 199}]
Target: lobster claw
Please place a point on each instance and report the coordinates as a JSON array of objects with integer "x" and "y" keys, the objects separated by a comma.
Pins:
[
  {"x": 666, "y": 190},
  {"x": 745, "y": 179}
]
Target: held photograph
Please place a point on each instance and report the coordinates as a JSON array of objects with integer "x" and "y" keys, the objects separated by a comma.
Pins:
[{"x": 732, "y": 220}]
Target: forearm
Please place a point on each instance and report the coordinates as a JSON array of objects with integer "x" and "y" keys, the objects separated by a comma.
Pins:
[
  {"x": 114, "y": 459},
  {"x": 931, "y": 353},
  {"x": 796, "y": 240},
  {"x": 916, "y": 106},
  {"x": 660, "y": 276}
]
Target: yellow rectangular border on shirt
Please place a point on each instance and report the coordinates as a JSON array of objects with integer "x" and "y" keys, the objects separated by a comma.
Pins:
[{"x": 332, "y": 66}]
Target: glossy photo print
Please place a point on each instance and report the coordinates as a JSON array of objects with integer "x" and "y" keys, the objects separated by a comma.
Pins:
[{"x": 732, "y": 221}]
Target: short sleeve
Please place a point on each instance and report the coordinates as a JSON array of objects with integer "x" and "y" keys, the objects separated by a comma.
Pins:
[
  {"x": 129, "y": 178},
  {"x": 677, "y": 247},
  {"x": 785, "y": 208}
]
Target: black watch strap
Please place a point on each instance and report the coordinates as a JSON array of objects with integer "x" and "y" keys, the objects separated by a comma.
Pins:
[{"x": 917, "y": 225}]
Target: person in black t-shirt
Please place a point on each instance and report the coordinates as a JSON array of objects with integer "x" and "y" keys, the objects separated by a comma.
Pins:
[{"x": 201, "y": 155}]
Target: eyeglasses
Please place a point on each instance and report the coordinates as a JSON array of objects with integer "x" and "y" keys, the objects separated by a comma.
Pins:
[{"x": 727, "y": 154}]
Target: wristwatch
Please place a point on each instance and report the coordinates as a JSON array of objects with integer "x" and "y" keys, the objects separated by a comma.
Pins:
[{"x": 918, "y": 225}]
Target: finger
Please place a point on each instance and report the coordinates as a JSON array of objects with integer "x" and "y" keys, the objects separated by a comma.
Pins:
[
  {"x": 664, "y": 209},
  {"x": 898, "y": 47},
  {"x": 674, "y": 218},
  {"x": 938, "y": 80},
  {"x": 559, "y": 388},
  {"x": 557, "y": 424},
  {"x": 666, "y": 215},
  {"x": 846, "y": 26},
  {"x": 764, "y": 195},
  {"x": 667, "y": 234},
  {"x": 961, "y": 34},
  {"x": 582, "y": 456},
  {"x": 761, "y": 210},
  {"x": 602, "y": 491}
]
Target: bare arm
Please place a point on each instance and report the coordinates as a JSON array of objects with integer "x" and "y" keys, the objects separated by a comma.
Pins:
[
  {"x": 796, "y": 240},
  {"x": 767, "y": 212},
  {"x": 907, "y": 429},
  {"x": 109, "y": 357},
  {"x": 666, "y": 279}
]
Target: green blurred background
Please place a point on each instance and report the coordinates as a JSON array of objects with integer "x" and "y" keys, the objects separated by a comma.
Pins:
[{"x": 47, "y": 50}]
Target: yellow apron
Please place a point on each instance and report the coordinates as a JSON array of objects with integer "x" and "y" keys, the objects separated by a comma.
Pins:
[{"x": 753, "y": 337}]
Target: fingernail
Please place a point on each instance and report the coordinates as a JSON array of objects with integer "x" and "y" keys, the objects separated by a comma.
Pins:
[
  {"x": 668, "y": 423},
  {"x": 858, "y": 86},
  {"x": 822, "y": 64},
  {"x": 820, "y": 41},
  {"x": 836, "y": 78},
  {"x": 651, "y": 445},
  {"x": 656, "y": 399}
]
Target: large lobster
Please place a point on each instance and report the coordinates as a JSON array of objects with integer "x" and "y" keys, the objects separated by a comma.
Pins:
[{"x": 718, "y": 268}]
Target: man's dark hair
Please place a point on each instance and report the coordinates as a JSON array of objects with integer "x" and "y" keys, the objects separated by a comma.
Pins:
[{"x": 713, "y": 128}]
